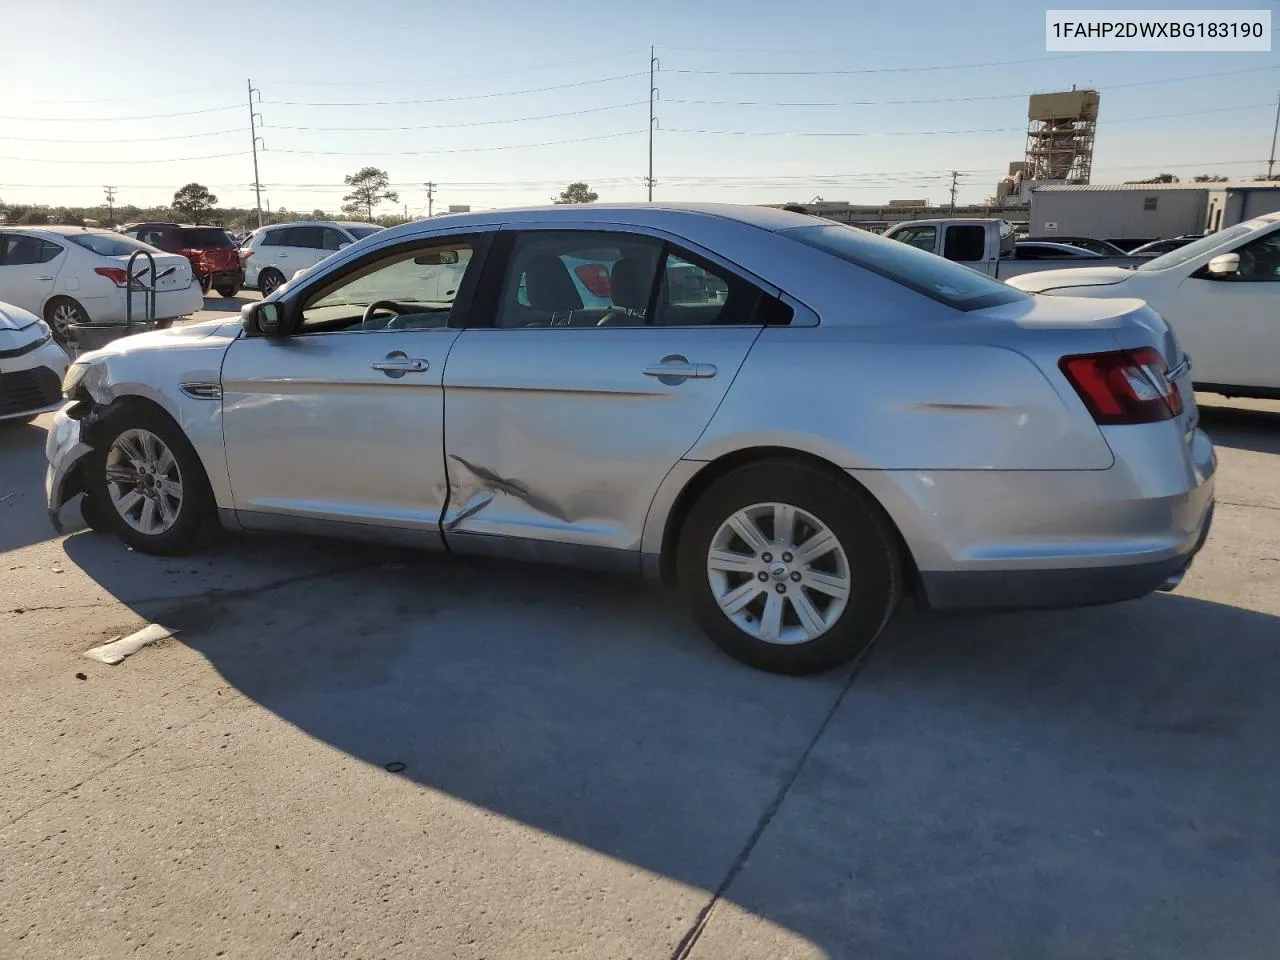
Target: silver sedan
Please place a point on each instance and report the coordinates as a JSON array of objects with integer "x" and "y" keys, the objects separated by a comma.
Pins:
[{"x": 795, "y": 422}]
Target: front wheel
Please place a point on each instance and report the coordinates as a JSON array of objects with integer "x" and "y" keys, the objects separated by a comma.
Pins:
[
  {"x": 148, "y": 483},
  {"x": 787, "y": 569}
]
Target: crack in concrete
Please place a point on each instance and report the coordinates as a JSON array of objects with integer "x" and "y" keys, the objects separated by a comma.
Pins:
[
  {"x": 690, "y": 939},
  {"x": 1255, "y": 506}
]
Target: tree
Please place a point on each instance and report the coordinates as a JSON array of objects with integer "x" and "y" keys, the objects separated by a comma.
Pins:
[
  {"x": 34, "y": 218},
  {"x": 1158, "y": 178},
  {"x": 1209, "y": 178},
  {"x": 577, "y": 192},
  {"x": 368, "y": 189},
  {"x": 193, "y": 202}
]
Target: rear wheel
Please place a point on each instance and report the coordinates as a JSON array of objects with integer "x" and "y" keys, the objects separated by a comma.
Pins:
[
  {"x": 228, "y": 289},
  {"x": 787, "y": 569},
  {"x": 62, "y": 313},
  {"x": 206, "y": 282},
  {"x": 149, "y": 482},
  {"x": 269, "y": 280}
]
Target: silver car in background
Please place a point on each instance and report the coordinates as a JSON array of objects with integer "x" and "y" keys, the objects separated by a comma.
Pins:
[{"x": 796, "y": 422}]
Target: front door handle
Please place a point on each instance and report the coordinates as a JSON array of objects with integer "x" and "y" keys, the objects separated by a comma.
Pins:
[
  {"x": 675, "y": 368},
  {"x": 398, "y": 363},
  {"x": 44, "y": 278}
]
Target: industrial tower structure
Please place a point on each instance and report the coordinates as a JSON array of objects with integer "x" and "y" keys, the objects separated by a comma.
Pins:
[{"x": 1060, "y": 131}]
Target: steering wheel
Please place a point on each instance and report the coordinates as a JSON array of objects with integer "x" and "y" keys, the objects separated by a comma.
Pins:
[{"x": 366, "y": 322}]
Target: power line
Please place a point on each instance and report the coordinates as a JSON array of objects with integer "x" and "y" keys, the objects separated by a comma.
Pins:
[
  {"x": 470, "y": 123},
  {"x": 180, "y": 136},
  {"x": 140, "y": 116},
  {"x": 456, "y": 76},
  {"x": 421, "y": 153},
  {"x": 866, "y": 70},
  {"x": 470, "y": 96},
  {"x": 132, "y": 160}
]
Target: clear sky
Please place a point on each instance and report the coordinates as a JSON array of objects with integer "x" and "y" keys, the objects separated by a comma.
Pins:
[{"x": 759, "y": 102}]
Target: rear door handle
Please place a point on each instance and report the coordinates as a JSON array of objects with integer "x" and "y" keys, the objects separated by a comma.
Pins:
[
  {"x": 44, "y": 278},
  {"x": 675, "y": 368},
  {"x": 397, "y": 364}
]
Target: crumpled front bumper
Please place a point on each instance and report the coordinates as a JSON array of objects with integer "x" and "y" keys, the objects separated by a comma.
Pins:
[{"x": 64, "y": 450}]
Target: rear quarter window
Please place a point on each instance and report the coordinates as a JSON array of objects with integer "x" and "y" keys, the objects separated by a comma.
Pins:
[{"x": 935, "y": 277}]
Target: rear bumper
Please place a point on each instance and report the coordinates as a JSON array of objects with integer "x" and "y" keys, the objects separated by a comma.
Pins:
[
  {"x": 169, "y": 305},
  {"x": 1006, "y": 540}
]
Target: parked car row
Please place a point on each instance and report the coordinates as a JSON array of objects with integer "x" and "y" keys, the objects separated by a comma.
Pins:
[{"x": 794, "y": 421}]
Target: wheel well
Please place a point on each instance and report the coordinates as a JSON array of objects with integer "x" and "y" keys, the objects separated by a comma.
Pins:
[{"x": 716, "y": 469}]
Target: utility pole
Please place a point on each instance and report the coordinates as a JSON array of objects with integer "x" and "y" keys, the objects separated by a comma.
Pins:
[
  {"x": 431, "y": 193},
  {"x": 653, "y": 93},
  {"x": 253, "y": 132},
  {"x": 111, "y": 205},
  {"x": 955, "y": 174},
  {"x": 1274, "y": 130}
]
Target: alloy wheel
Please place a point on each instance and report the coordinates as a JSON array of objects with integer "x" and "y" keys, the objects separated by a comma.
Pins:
[
  {"x": 778, "y": 573},
  {"x": 65, "y": 315},
  {"x": 144, "y": 482}
]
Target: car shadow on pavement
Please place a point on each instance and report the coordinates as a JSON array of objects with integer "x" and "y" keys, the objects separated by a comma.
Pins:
[
  {"x": 1242, "y": 428},
  {"x": 1071, "y": 784},
  {"x": 23, "y": 520}
]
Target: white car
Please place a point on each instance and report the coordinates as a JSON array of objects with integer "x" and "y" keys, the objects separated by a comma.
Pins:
[
  {"x": 1220, "y": 294},
  {"x": 31, "y": 365},
  {"x": 272, "y": 255},
  {"x": 71, "y": 275}
]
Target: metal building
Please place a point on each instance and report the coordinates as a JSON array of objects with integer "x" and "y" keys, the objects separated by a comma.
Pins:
[
  {"x": 1060, "y": 132},
  {"x": 1139, "y": 212}
]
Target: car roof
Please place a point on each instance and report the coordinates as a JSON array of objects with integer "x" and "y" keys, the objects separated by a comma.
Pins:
[
  {"x": 635, "y": 214},
  {"x": 58, "y": 230},
  {"x": 317, "y": 223}
]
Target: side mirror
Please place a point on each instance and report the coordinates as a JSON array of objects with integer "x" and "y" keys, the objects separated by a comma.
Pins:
[
  {"x": 264, "y": 318},
  {"x": 1223, "y": 265}
]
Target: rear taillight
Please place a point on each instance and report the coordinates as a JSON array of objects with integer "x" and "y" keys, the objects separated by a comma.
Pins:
[
  {"x": 595, "y": 277},
  {"x": 246, "y": 254},
  {"x": 1124, "y": 386},
  {"x": 116, "y": 275}
]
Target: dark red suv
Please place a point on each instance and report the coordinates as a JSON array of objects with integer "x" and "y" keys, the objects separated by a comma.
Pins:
[{"x": 214, "y": 254}]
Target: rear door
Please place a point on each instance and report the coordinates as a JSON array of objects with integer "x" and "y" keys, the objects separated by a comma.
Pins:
[
  {"x": 29, "y": 267},
  {"x": 563, "y": 416},
  {"x": 305, "y": 248}
]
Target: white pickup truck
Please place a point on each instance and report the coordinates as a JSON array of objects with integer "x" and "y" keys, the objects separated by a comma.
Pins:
[{"x": 988, "y": 246}]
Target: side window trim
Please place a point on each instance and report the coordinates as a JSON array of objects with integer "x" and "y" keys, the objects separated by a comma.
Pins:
[
  {"x": 321, "y": 284},
  {"x": 508, "y": 233}
]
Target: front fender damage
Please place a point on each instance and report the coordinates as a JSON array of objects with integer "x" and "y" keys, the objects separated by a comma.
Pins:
[{"x": 66, "y": 449}]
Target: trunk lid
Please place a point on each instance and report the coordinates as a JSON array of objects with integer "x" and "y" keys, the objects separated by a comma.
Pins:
[
  {"x": 179, "y": 279},
  {"x": 1041, "y": 280}
]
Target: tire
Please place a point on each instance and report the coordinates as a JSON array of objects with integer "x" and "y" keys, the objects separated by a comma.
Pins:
[
  {"x": 60, "y": 313},
  {"x": 95, "y": 518},
  {"x": 268, "y": 281},
  {"x": 206, "y": 283},
  {"x": 863, "y": 563},
  {"x": 227, "y": 289},
  {"x": 177, "y": 524}
]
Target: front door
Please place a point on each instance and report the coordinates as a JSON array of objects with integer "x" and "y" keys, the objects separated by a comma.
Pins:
[
  {"x": 1230, "y": 326},
  {"x": 341, "y": 423},
  {"x": 605, "y": 356}
]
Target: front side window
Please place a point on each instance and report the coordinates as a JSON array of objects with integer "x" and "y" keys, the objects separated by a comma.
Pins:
[
  {"x": 311, "y": 238},
  {"x": 922, "y": 238},
  {"x": 1260, "y": 259},
  {"x": 410, "y": 290},
  {"x": 934, "y": 277}
]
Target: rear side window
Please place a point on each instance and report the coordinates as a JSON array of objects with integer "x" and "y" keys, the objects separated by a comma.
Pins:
[
  {"x": 107, "y": 244},
  {"x": 204, "y": 239},
  {"x": 966, "y": 243},
  {"x": 934, "y": 277},
  {"x": 18, "y": 250}
]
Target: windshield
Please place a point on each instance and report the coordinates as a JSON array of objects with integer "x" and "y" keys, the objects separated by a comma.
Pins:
[
  {"x": 108, "y": 244},
  {"x": 1196, "y": 247},
  {"x": 361, "y": 232},
  {"x": 926, "y": 273}
]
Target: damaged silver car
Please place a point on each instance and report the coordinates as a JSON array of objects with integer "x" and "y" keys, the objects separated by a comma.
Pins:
[{"x": 795, "y": 422}]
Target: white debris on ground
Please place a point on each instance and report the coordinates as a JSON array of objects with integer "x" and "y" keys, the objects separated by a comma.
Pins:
[{"x": 122, "y": 647}]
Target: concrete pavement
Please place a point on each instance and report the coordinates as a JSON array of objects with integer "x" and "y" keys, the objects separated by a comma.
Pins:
[{"x": 584, "y": 775}]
